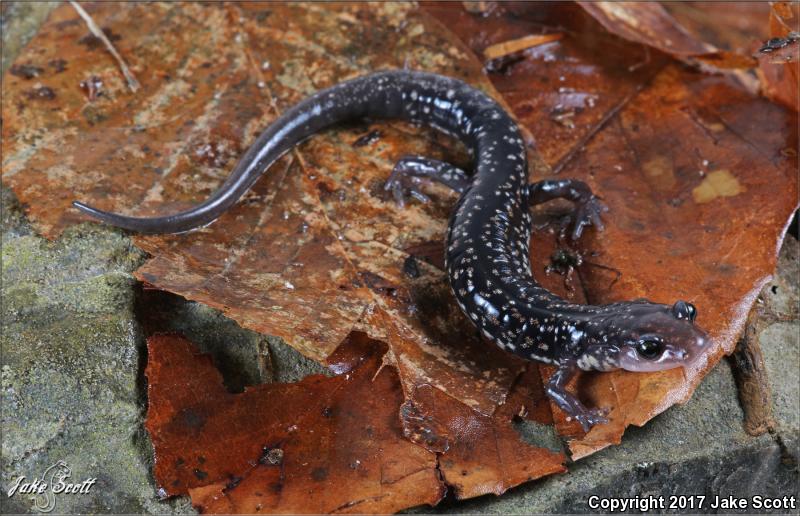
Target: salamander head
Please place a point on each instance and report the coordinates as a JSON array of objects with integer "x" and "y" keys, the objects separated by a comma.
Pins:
[{"x": 643, "y": 336}]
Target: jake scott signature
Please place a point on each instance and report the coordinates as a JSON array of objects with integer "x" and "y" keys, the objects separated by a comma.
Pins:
[{"x": 54, "y": 480}]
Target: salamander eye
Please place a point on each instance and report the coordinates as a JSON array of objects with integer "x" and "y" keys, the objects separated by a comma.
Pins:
[
  {"x": 648, "y": 348},
  {"x": 684, "y": 310}
]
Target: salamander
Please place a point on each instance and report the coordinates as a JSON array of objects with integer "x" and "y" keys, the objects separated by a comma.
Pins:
[{"x": 488, "y": 236}]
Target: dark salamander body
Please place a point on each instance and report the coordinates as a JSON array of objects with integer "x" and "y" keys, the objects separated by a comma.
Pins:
[{"x": 487, "y": 240}]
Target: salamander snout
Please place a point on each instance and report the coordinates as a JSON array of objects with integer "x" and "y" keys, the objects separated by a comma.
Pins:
[{"x": 696, "y": 348}]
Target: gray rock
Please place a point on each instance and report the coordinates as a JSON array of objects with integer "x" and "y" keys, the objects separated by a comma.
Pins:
[
  {"x": 73, "y": 363},
  {"x": 71, "y": 382}
]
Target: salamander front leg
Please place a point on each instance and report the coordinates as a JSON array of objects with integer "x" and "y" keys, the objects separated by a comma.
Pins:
[
  {"x": 410, "y": 172},
  {"x": 556, "y": 390},
  {"x": 588, "y": 207}
]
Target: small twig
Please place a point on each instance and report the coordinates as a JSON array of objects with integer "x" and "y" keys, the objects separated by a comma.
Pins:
[
  {"x": 133, "y": 84},
  {"x": 516, "y": 45}
]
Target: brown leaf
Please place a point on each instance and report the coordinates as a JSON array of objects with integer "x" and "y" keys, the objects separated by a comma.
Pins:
[
  {"x": 649, "y": 23},
  {"x": 734, "y": 26},
  {"x": 482, "y": 454},
  {"x": 779, "y": 69},
  {"x": 317, "y": 446},
  {"x": 700, "y": 177},
  {"x": 269, "y": 447}
]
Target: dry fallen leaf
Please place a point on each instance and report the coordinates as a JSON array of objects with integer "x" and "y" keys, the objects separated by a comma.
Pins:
[
  {"x": 779, "y": 68},
  {"x": 482, "y": 454},
  {"x": 286, "y": 448},
  {"x": 735, "y": 26},
  {"x": 649, "y": 23},
  {"x": 327, "y": 444}
]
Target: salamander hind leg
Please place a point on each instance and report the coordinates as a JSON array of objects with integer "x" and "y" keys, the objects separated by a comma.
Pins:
[
  {"x": 556, "y": 390},
  {"x": 411, "y": 171},
  {"x": 588, "y": 207}
]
